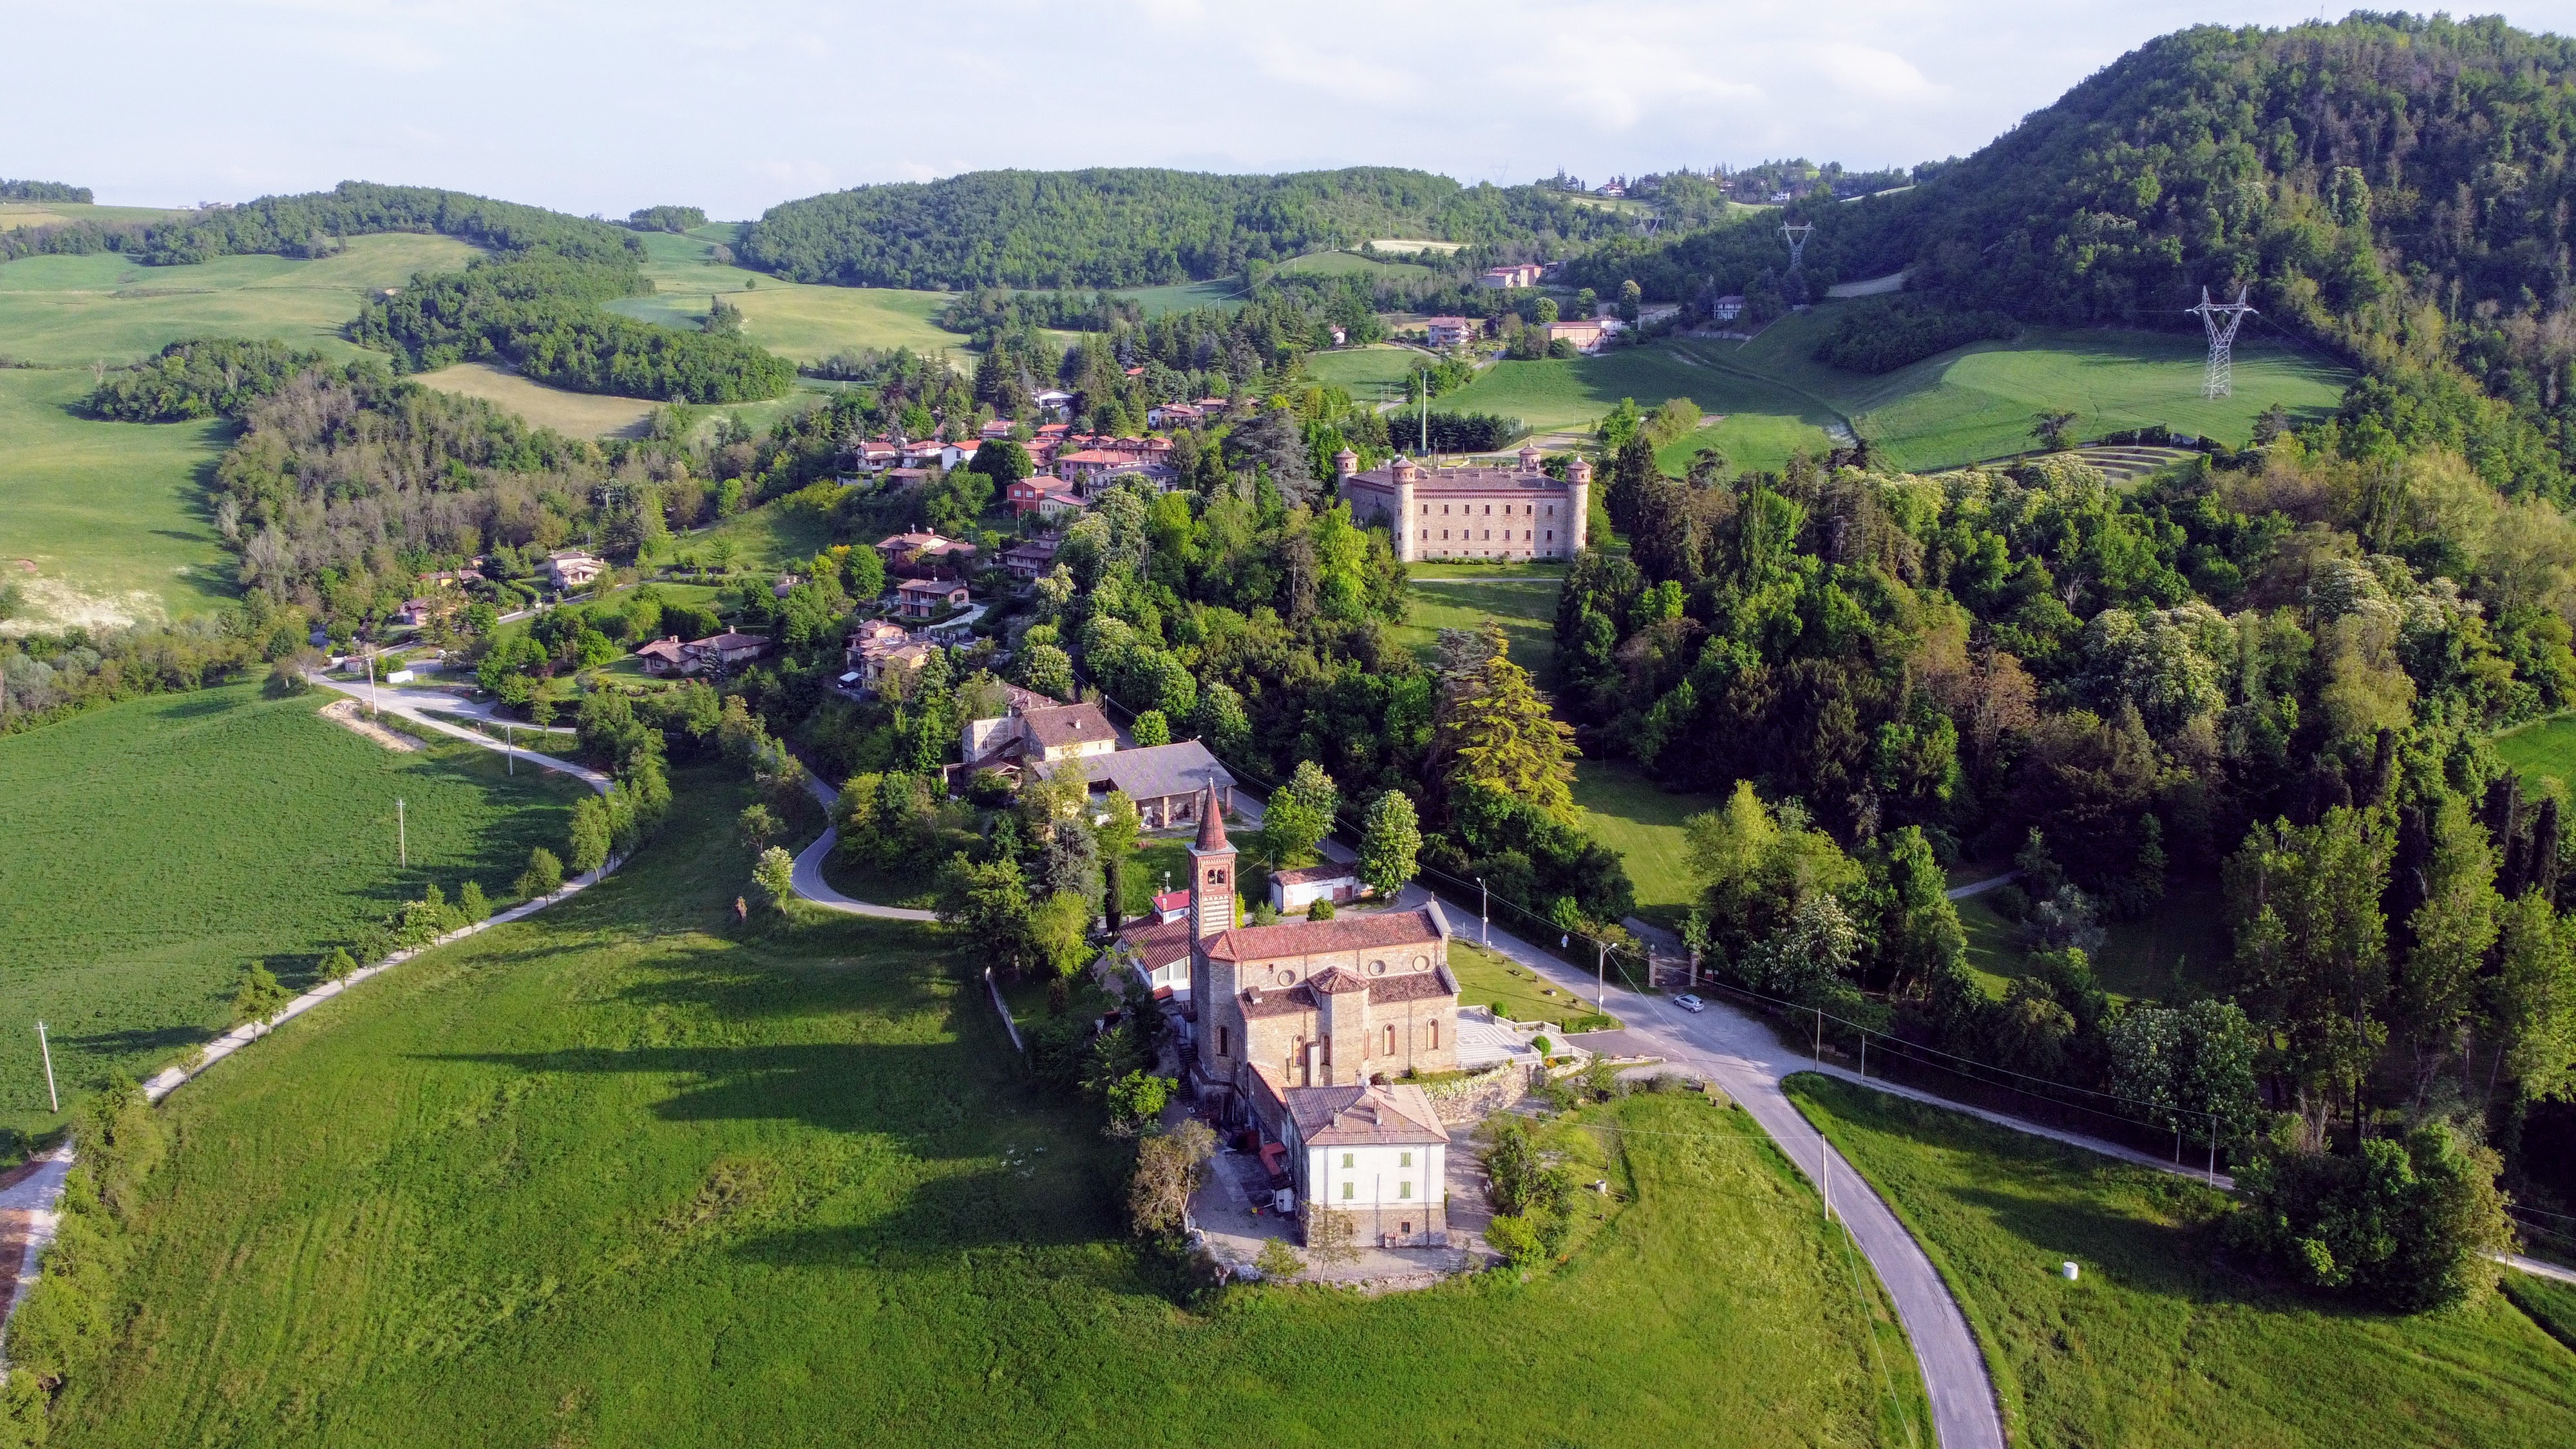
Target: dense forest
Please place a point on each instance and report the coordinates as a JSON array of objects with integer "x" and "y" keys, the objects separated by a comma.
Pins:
[
  {"x": 42, "y": 191},
  {"x": 1136, "y": 227}
]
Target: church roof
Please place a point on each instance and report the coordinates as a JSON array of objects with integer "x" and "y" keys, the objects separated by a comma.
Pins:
[
  {"x": 1419, "y": 926},
  {"x": 1211, "y": 824}
]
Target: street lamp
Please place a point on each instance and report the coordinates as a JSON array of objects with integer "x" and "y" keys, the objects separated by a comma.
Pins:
[{"x": 1484, "y": 914}]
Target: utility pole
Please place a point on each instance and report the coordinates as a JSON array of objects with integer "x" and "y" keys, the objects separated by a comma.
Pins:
[
  {"x": 1484, "y": 914},
  {"x": 1426, "y": 410},
  {"x": 402, "y": 836},
  {"x": 509, "y": 748},
  {"x": 1820, "y": 1038},
  {"x": 47, "y": 1048},
  {"x": 1601, "y": 993},
  {"x": 2221, "y": 319},
  {"x": 371, "y": 681}
]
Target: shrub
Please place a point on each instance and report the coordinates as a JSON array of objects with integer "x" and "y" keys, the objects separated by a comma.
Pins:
[
  {"x": 544, "y": 874},
  {"x": 1321, "y": 909},
  {"x": 1516, "y": 1240},
  {"x": 339, "y": 965},
  {"x": 285, "y": 680},
  {"x": 471, "y": 903},
  {"x": 2406, "y": 1225},
  {"x": 1278, "y": 1260}
]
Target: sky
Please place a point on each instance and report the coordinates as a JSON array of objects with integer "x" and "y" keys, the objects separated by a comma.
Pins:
[{"x": 593, "y": 106}]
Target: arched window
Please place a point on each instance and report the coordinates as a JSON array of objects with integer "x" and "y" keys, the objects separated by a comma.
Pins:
[
  {"x": 1435, "y": 1036},
  {"x": 1390, "y": 1039}
]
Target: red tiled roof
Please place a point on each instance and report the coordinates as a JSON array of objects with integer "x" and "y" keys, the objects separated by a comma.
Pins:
[
  {"x": 1157, "y": 944},
  {"x": 1316, "y": 938}
]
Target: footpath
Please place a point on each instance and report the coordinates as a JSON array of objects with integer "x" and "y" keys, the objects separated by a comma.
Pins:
[{"x": 31, "y": 1199}]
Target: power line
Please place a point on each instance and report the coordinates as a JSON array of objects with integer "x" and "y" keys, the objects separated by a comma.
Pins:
[{"x": 2221, "y": 378}]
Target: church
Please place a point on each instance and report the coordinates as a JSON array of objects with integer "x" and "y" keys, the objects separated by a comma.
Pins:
[{"x": 1306, "y": 1029}]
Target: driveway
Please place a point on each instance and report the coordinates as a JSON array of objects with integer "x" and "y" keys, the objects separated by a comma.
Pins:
[{"x": 1746, "y": 1058}]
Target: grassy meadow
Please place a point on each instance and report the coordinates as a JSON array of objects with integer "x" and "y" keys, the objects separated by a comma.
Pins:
[
  {"x": 73, "y": 311},
  {"x": 2177, "y": 950},
  {"x": 104, "y": 522},
  {"x": 798, "y": 322},
  {"x": 2162, "y": 1341},
  {"x": 1373, "y": 374},
  {"x": 1226, "y": 292},
  {"x": 626, "y": 1174},
  {"x": 2541, "y": 750},
  {"x": 155, "y": 848},
  {"x": 1646, "y": 824},
  {"x": 1335, "y": 264},
  {"x": 577, "y": 414},
  {"x": 1523, "y": 601},
  {"x": 15, "y": 214}
]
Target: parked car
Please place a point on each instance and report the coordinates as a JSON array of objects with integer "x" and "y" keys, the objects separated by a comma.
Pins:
[{"x": 1688, "y": 1002}]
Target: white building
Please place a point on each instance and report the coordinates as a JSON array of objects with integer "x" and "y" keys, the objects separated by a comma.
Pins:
[
  {"x": 1295, "y": 890},
  {"x": 1375, "y": 1154}
]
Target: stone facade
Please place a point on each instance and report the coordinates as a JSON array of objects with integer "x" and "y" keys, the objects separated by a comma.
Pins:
[{"x": 1472, "y": 513}]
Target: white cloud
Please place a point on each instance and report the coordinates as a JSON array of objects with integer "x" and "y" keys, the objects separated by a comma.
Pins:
[{"x": 609, "y": 104}]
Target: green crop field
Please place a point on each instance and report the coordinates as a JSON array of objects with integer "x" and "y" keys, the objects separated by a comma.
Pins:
[
  {"x": 1345, "y": 263},
  {"x": 1646, "y": 824},
  {"x": 1224, "y": 292},
  {"x": 625, "y": 1173},
  {"x": 795, "y": 321},
  {"x": 15, "y": 214},
  {"x": 104, "y": 523},
  {"x": 155, "y": 848},
  {"x": 2163, "y": 1341},
  {"x": 1760, "y": 426},
  {"x": 1525, "y": 607},
  {"x": 74, "y": 311}
]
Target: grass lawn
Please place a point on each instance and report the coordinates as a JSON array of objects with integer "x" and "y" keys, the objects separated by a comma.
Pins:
[
  {"x": 156, "y": 847},
  {"x": 622, "y": 1175},
  {"x": 1486, "y": 978},
  {"x": 1373, "y": 374},
  {"x": 2169, "y": 953},
  {"x": 72, "y": 311},
  {"x": 2161, "y": 1342},
  {"x": 1646, "y": 824},
  {"x": 1226, "y": 292},
  {"x": 916, "y": 889},
  {"x": 1337, "y": 264},
  {"x": 110, "y": 514},
  {"x": 1523, "y": 602},
  {"x": 1762, "y": 419},
  {"x": 15, "y": 214},
  {"x": 2550, "y": 1303},
  {"x": 764, "y": 538},
  {"x": 2540, "y": 750}
]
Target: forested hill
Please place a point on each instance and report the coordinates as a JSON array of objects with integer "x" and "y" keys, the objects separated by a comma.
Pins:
[
  {"x": 2396, "y": 188},
  {"x": 1135, "y": 227},
  {"x": 314, "y": 223}
]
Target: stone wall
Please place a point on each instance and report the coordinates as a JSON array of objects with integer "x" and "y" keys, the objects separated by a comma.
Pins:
[{"x": 1465, "y": 1099}]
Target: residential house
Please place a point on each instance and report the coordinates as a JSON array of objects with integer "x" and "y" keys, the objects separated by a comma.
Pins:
[
  {"x": 1036, "y": 735},
  {"x": 572, "y": 569},
  {"x": 902, "y": 478},
  {"x": 1294, "y": 1023},
  {"x": 875, "y": 455},
  {"x": 1165, "y": 781},
  {"x": 452, "y": 578},
  {"x": 1295, "y": 890},
  {"x": 1515, "y": 275},
  {"x": 997, "y": 429},
  {"x": 925, "y": 554},
  {"x": 664, "y": 656},
  {"x": 1452, "y": 331},
  {"x": 721, "y": 653},
  {"x": 1155, "y": 953},
  {"x": 929, "y": 598},
  {"x": 1030, "y": 557},
  {"x": 1055, "y": 402},
  {"x": 1044, "y": 495},
  {"x": 1726, "y": 308},
  {"x": 413, "y": 613},
  {"x": 1472, "y": 512},
  {"x": 1090, "y": 463},
  {"x": 932, "y": 453},
  {"x": 876, "y": 647},
  {"x": 1586, "y": 333}
]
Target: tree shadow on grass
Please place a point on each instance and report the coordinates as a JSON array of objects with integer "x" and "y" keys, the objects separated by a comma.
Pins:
[{"x": 138, "y": 1041}]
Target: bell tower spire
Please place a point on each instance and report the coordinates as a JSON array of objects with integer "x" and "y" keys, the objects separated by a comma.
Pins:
[{"x": 1211, "y": 871}]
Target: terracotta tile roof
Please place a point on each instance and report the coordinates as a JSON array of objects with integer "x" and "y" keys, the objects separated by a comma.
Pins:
[
  {"x": 1157, "y": 944},
  {"x": 1287, "y": 1001},
  {"x": 1360, "y": 1116},
  {"x": 1413, "y": 986},
  {"x": 662, "y": 649},
  {"x": 1067, "y": 724},
  {"x": 1319, "y": 938},
  {"x": 1337, "y": 981}
]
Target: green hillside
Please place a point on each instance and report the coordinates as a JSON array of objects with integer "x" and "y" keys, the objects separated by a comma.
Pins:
[{"x": 104, "y": 522}]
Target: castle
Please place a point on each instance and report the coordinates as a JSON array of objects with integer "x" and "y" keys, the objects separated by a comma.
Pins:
[
  {"x": 1304, "y": 1030},
  {"x": 1470, "y": 512}
]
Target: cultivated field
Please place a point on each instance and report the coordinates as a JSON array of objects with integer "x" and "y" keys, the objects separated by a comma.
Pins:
[
  {"x": 74, "y": 311},
  {"x": 15, "y": 214},
  {"x": 155, "y": 848},
  {"x": 579, "y": 414},
  {"x": 797, "y": 322},
  {"x": 2163, "y": 1340},
  {"x": 103, "y": 523},
  {"x": 1761, "y": 424},
  {"x": 627, "y": 1174}
]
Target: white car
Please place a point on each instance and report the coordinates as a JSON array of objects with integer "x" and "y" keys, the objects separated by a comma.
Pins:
[{"x": 1688, "y": 1002}]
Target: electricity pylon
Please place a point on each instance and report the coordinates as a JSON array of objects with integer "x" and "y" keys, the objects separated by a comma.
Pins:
[
  {"x": 1797, "y": 236},
  {"x": 2221, "y": 380}
]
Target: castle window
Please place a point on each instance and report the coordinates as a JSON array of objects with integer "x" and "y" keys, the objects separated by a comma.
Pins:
[
  {"x": 1551, "y": 510},
  {"x": 1551, "y": 535},
  {"x": 1220, "y": 1041},
  {"x": 1390, "y": 1039},
  {"x": 1489, "y": 510}
]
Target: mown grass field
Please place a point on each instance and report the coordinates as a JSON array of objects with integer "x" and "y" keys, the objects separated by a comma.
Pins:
[
  {"x": 577, "y": 414},
  {"x": 1760, "y": 426},
  {"x": 2162, "y": 1341},
  {"x": 1345, "y": 263},
  {"x": 1487, "y": 978},
  {"x": 110, "y": 515},
  {"x": 1646, "y": 824},
  {"x": 1978, "y": 401},
  {"x": 1525, "y": 605},
  {"x": 155, "y": 848},
  {"x": 15, "y": 214},
  {"x": 797, "y": 322},
  {"x": 2541, "y": 750},
  {"x": 621, "y": 1174},
  {"x": 1226, "y": 292},
  {"x": 1373, "y": 374},
  {"x": 73, "y": 311}
]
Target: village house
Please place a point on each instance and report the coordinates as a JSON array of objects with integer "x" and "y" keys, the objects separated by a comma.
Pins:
[
  {"x": 1030, "y": 557},
  {"x": 1166, "y": 781},
  {"x": 573, "y": 569},
  {"x": 1472, "y": 512},
  {"x": 877, "y": 647},
  {"x": 1304, "y": 1030},
  {"x": 929, "y": 598},
  {"x": 664, "y": 657},
  {"x": 721, "y": 654},
  {"x": 1512, "y": 276},
  {"x": 1292, "y": 891},
  {"x": 452, "y": 578},
  {"x": 925, "y": 554},
  {"x": 1586, "y": 333},
  {"x": 1044, "y": 495},
  {"x": 1173, "y": 415},
  {"x": 932, "y": 453},
  {"x": 875, "y": 455},
  {"x": 997, "y": 429},
  {"x": 1054, "y": 401},
  {"x": 1036, "y": 732},
  {"x": 413, "y": 613},
  {"x": 1452, "y": 331},
  {"x": 1090, "y": 463},
  {"x": 1726, "y": 308}
]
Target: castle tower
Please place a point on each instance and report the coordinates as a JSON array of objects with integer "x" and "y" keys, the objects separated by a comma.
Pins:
[
  {"x": 1345, "y": 463},
  {"x": 1407, "y": 524},
  {"x": 1578, "y": 501},
  {"x": 1211, "y": 872},
  {"x": 1529, "y": 456}
]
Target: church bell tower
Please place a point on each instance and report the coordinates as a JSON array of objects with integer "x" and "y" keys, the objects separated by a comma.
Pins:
[{"x": 1211, "y": 872}]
